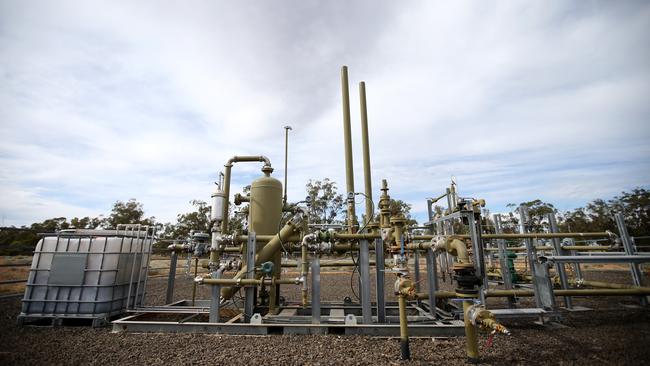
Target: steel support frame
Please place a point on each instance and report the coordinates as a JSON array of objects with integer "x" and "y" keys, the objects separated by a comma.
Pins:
[
  {"x": 172, "y": 278},
  {"x": 561, "y": 269},
  {"x": 364, "y": 277},
  {"x": 250, "y": 297},
  {"x": 506, "y": 276},
  {"x": 630, "y": 250},
  {"x": 379, "y": 276}
]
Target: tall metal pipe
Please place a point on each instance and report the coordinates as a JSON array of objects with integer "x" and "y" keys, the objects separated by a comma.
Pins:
[
  {"x": 347, "y": 140},
  {"x": 367, "y": 178},
  {"x": 286, "y": 166}
]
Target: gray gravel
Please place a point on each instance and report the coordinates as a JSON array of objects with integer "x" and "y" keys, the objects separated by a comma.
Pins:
[{"x": 615, "y": 336}]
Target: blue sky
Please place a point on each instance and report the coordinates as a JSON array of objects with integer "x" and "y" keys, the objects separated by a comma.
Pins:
[{"x": 106, "y": 101}]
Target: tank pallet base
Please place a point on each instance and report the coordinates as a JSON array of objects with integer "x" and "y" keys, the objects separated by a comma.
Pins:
[{"x": 61, "y": 321}]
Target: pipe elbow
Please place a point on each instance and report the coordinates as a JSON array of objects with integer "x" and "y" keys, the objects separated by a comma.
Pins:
[{"x": 458, "y": 249}]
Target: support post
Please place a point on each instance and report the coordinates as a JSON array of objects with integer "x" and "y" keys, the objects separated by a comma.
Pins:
[
  {"x": 416, "y": 269},
  {"x": 249, "y": 304},
  {"x": 379, "y": 266},
  {"x": 315, "y": 290},
  {"x": 531, "y": 254},
  {"x": 215, "y": 298},
  {"x": 432, "y": 280},
  {"x": 561, "y": 269},
  {"x": 503, "y": 260},
  {"x": 172, "y": 278},
  {"x": 479, "y": 258},
  {"x": 635, "y": 271},
  {"x": 364, "y": 275}
]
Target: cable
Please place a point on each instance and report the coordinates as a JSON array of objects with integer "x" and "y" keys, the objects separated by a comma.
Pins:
[
  {"x": 356, "y": 265},
  {"x": 372, "y": 216}
]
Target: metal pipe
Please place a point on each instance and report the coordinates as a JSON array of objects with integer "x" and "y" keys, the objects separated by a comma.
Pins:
[
  {"x": 405, "y": 352},
  {"x": 529, "y": 293},
  {"x": 326, "y": 263},
  {"x": 248, "y": 281},
  {"x": 526, "y": 236},
  {"x": 470, "y": 334},
  {"x": 286, "y": 158},
  {"x": 267, "y": 252},
  {"x": 596, "y": 259},
  {"x": 196, "y": 273},
  {"x": 365, "y": 143},
  {"x": 585, "y": 248},
  {"x": 347, "y": 140},
  {"x": 226, "y": 188}
]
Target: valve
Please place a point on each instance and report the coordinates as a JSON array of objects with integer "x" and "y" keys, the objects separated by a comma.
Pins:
[
  {"x": 266, "y": 268},
  {"x": 482, "y": 318}
]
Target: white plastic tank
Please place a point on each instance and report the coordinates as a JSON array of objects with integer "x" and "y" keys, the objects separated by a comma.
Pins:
[{"x": 92, "y": 274}]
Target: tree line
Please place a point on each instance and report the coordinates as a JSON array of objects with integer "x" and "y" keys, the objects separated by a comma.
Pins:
[{"x": 326, "y": 206}]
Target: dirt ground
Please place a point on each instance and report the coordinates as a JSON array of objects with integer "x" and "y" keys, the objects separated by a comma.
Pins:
[{"x": 614, "y": 334}]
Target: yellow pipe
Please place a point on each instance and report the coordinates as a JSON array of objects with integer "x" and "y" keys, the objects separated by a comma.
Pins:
[
  {"x": 365, "y": 144},
  {"x": 405, "y": 352},
  {"x": 600, "y": 234},
  {"x": 303, "y": 274},
  {"x": 639, "y": 291},
  {"x": 471, "y": 339},
  {"x": 264, "y": 254},
  {"x": 347, "y": 142}
]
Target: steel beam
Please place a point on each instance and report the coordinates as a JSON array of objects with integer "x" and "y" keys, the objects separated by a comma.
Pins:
[
  {"x": 379, "y": 276},
  {"x": 364, "y": 276},
  {"x": 171, "y": 279},
  {"x": 315, "y": 290},
  {"x": 249, "y": 304}
]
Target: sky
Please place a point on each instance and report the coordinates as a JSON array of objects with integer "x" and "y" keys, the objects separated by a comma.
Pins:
[{"x": 516, "y": 100}]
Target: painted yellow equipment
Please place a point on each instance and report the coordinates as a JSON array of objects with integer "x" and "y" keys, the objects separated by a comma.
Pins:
[{"x": 255, "y": 255}]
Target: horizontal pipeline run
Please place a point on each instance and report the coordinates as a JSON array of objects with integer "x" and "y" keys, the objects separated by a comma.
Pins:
[
  {"x": 639, "y": 291},
  {"x": 247, "y": 281},
  {"x": 582, "y": 248},
  {"x": 596, "y": 259}
]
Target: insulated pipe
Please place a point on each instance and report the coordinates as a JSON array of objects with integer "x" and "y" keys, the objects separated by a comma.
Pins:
[
  {"x": 266, "y": 253},
  {"x": 226, "y": 188},
  {"x": 347, "y": 140},
  {"x": 365, "y": 143}
]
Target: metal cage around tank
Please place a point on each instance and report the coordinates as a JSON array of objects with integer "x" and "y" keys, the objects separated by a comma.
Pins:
[{"x": 88, "y": 274}]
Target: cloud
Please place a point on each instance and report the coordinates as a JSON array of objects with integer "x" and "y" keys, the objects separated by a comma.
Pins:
[{"x": 107, "y": 101}]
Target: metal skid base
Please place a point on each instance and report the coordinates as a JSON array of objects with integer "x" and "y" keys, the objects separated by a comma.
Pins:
[{"x": 336, "y": 318}]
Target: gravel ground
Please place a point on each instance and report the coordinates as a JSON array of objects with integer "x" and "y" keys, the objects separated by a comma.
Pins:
[{"x": 612, "y": 335}]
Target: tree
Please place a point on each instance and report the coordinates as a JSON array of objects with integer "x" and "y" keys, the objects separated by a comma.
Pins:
[
  {"x": 538, "y": 212},
  {"x": 129, "y": 212},
  {"x": 325, "y": 204},
  {"x": 197, "y": 220},
  {"x": 397, "y": 206}
]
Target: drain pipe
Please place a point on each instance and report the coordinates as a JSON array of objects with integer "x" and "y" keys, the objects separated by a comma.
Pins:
[{"x": 347, "y": 140}]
